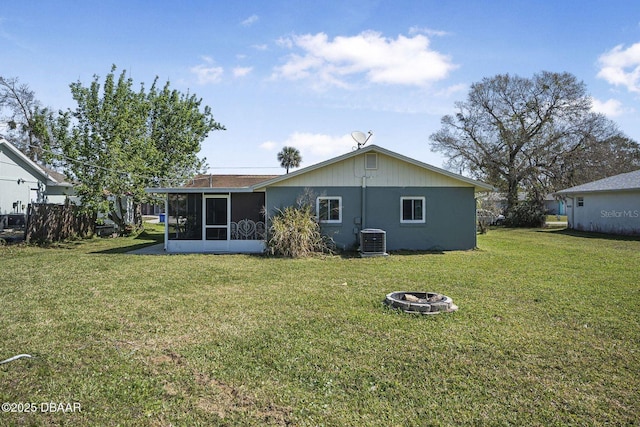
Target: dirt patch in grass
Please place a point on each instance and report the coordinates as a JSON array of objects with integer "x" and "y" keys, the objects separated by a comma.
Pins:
[
  {"x": 223, "y": 399},
  {"x": 168, "y": 357},
  {"x": 216, "y": 397}
]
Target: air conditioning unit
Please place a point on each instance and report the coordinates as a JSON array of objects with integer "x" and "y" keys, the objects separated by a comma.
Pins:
[{"x": 373, "y": 242}]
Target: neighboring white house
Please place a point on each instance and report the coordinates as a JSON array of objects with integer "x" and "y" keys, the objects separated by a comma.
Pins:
[
  {"x": 609, "y": 205},
  {"x": 22, "y": 181}
]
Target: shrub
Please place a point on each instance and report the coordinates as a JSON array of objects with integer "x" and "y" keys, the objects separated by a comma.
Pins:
[
  {"x": 526, "y": 214},
  {"x": 295, "y": 233}
]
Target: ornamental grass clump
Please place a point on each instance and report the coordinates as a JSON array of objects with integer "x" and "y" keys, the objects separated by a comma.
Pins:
[{"x": 295, "y": 233}]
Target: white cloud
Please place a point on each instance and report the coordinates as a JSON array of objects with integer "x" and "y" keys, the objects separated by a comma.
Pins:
[
  {"x": 250, "y": 21},
  {"x": 428, "y": 31},
  {"x": 298, "y": 67},
  {"x": 207, "y": 74},
  {"x": 610, "y": 107},
  {"x": 268, "y": 145},
  {"x": 285, "y": 42},
  {"x": 242, "y": 71},
  {"x": 452, "y": 90},
  {"x": 400, "y": 61},
  {"x": 314, "y": 147},
  {"x": 621, "y": 67}
]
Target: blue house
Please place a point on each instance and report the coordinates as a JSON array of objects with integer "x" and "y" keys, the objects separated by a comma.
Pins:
[{"x": 410, "y": 204}]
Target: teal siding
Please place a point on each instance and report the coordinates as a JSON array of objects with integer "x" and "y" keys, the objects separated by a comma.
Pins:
[{"x": 450, "y": 215}]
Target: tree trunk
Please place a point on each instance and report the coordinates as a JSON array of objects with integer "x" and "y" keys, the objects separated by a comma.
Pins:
[
  {"x": 512, "y": 195},
  {"x": 137, "y": 215},
  {"x": 118, "y": 215}
]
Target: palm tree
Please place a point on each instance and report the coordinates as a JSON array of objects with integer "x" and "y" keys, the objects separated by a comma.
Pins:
[{"x": 289, "y": 157}]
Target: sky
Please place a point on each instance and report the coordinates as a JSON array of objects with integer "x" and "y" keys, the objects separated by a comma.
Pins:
[{"x": 309, "y": 73}]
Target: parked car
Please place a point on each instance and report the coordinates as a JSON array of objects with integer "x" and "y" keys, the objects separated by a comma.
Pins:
[{"x": 488, "y": 217}]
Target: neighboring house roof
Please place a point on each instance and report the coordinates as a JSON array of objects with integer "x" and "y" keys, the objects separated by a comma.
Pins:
[
  {"x": 624, "y": 182},
  {"x": 59, "y": 179},
  {"x": 479, "y": 186}
]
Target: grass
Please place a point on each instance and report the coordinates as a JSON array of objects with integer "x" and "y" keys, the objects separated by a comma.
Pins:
[
  {"x": 548, "y": 333},
  {"x": 556, "y": 218}
]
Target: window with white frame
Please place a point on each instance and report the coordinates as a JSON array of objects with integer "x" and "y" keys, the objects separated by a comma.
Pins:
[
  {"x": 329, "y": 209},
  {"x": 412, "y": 210},
  {"x": 580, "y": 202}
]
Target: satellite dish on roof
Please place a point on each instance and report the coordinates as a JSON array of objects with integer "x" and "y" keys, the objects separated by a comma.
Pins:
[{"x": 361, "y": 138}]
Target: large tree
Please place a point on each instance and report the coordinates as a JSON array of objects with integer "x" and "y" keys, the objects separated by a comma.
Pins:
[
  {"x": 524, "y": 133},
  {"x": 118, "y": 141},
  {"x": 25, "y": 122},
  {"x": 596, "y": 160}
]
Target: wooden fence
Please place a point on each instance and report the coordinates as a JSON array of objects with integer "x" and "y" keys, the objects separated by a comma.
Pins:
[{"x": 54, "y": 223}]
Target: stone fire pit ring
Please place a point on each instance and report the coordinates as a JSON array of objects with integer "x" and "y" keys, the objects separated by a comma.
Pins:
[{"x": 420, "y": 302}]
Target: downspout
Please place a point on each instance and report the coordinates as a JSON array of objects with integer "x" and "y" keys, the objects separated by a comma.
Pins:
[
  {"x": 475, "y": 223},
  {"x": 572, "y": 224},
  {"x": 363, "y": 210}
]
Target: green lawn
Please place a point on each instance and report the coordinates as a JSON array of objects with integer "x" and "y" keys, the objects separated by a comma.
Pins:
[{"x": 548, "y": 333}]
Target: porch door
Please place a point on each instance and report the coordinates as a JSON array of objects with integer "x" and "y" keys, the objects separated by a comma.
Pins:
[{"x": 216, "y": 224}]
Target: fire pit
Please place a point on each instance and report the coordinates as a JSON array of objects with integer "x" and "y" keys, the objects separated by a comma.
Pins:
[{"x": 420, "y": 302}]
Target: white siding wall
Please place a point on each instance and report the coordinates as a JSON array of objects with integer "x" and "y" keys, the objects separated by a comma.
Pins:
[
  {"x": 607, "y": 212},
  {"x": 10, "y": 190}
]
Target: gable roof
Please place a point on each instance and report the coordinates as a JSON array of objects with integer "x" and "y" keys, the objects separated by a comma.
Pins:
[
  {"x": 478, "y": 186},
  {"x": 624, "y": 182},
  {"x": 250, "y": 183}
]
